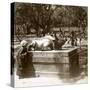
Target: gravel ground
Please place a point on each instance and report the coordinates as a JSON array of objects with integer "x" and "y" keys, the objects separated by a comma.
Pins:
[{"x": 44, "y": 81}]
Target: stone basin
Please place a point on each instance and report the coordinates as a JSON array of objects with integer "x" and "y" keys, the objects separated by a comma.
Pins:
[{"x": 60, "y": 63}]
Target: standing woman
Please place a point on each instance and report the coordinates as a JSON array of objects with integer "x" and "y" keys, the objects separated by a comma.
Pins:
[
  {"x": 73, "y": 38},
  {"x": 25, "y": 67},
  {"x": 21, "y": 59}
]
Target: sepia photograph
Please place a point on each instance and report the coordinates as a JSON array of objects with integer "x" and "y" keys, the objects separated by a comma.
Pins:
[{"x": 49, "y": 44}]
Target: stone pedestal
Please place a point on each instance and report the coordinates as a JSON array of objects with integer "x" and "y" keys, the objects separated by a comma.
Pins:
[{"x": 60, "y": 63}]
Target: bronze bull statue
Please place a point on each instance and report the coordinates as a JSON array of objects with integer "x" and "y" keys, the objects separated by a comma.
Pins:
[
  {"x": 43, "y": 43},
  {"x": 46, "y": 43}
]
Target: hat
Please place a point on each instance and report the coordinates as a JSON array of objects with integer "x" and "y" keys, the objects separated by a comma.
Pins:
[{"x": 23, "y": 43}]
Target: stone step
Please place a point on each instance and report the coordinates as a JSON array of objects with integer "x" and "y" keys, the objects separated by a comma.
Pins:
[
  {"x": 52, "y": 67},
  {"x": 52, "y": 60},
  {"x": 52, "y": 74}
]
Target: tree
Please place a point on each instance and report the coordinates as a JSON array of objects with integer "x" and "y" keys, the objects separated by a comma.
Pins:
[
  {"x": 37, "y": 15},
  {"x": 47, "y": 16}
]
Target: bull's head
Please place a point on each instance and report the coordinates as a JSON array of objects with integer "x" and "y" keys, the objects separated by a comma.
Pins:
[{"x": 31, "y": 46}]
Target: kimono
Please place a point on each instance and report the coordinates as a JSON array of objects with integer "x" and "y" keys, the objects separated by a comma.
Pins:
[{"x": 24, "y": 63}]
